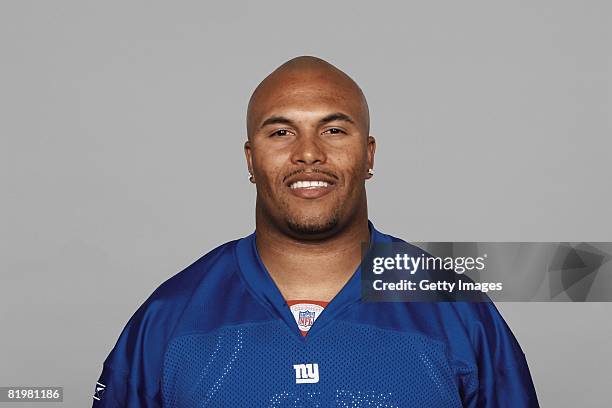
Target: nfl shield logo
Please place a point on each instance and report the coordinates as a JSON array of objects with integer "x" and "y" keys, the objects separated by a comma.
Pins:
[{"x": 306, "y": 318}]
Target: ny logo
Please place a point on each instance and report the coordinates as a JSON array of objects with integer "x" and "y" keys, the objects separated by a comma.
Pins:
[{"x": 306, "y": 373}]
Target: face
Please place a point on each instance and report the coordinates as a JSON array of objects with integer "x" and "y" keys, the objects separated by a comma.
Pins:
[{"x": 309, "y": 152}]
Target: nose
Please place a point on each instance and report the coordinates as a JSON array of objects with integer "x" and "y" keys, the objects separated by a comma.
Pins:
[{"x": 308, "y": 150}]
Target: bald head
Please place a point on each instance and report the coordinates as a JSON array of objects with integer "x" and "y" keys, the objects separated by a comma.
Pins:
[{"x": 302, "y": 80}]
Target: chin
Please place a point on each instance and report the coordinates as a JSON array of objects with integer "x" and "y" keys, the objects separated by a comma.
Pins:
[{"x": 313, "y": 226}]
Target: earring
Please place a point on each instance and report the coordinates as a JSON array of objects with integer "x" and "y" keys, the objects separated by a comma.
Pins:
[
  {"x": 251, "y": 178},
  {"x": 371, "y": 172}
]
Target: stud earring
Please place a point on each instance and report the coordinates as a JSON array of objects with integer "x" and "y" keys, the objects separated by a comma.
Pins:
[
  {"x": 371, "y": 172},
  {"x": 251, "y": 177}
]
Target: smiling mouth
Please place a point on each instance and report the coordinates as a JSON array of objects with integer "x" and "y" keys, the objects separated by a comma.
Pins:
[
  {"x": 308, "y": 184},
  {"x": 310, "y": 189}
]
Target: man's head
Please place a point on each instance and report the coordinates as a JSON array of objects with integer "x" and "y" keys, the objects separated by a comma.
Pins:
[{"x": 309, "y": 148}]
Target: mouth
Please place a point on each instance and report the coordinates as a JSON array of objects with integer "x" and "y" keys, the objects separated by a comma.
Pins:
[
  {"x": 310, "y": 189},
  {"x": 309, "y": 184}
]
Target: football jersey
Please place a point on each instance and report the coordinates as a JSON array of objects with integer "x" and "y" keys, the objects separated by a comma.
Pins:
[{"x": 220, "y": 334}]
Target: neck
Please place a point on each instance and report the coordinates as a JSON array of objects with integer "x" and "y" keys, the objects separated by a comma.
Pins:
[{"x": 311, "y": 269}]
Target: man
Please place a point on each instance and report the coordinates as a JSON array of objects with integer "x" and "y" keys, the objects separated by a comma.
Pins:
[{"x": 275, "y": 319}]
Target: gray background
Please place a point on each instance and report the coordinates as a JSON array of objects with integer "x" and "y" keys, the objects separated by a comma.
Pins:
[{"x": 121, "y": 151}]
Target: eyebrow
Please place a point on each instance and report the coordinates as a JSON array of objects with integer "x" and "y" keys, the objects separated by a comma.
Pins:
[
  {"x": 274, "y": 120},
  {"x": 336, "y": 116}
]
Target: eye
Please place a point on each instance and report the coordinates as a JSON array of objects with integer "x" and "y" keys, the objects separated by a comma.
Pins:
[
  {"x": 281, "y": 132},
  {"x": 334, "y": 131}
]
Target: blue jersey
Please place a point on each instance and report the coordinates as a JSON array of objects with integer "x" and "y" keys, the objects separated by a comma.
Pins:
[{"x": 220, "y": 334}]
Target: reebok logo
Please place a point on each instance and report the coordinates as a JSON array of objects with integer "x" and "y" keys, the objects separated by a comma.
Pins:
[
  {"x": 306, "y": 373},
  {"x": 99, "y": 391}
]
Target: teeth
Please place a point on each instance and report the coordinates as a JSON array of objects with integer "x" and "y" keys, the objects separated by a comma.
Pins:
[{"x": 308, "y": 184}]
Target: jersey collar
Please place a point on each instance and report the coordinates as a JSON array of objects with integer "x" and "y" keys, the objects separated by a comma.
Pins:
[{"x": 262, "y": 286}]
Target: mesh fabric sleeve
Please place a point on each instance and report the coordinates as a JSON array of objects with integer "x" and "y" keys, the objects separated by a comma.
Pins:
[{"x": 503, "y": 377}]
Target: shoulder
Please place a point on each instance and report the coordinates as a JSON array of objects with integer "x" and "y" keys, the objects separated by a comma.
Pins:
[
  {"x": 179, "y": 288},
  {"x": 465, "y": 324},
  {"x": 150, "y": 327},
  {"x": 133, "y": 367}
]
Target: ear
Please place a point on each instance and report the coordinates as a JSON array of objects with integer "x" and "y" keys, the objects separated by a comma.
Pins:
[
  {"x": 371, "y": 150},
  {"x": 248, "y": 155}
]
